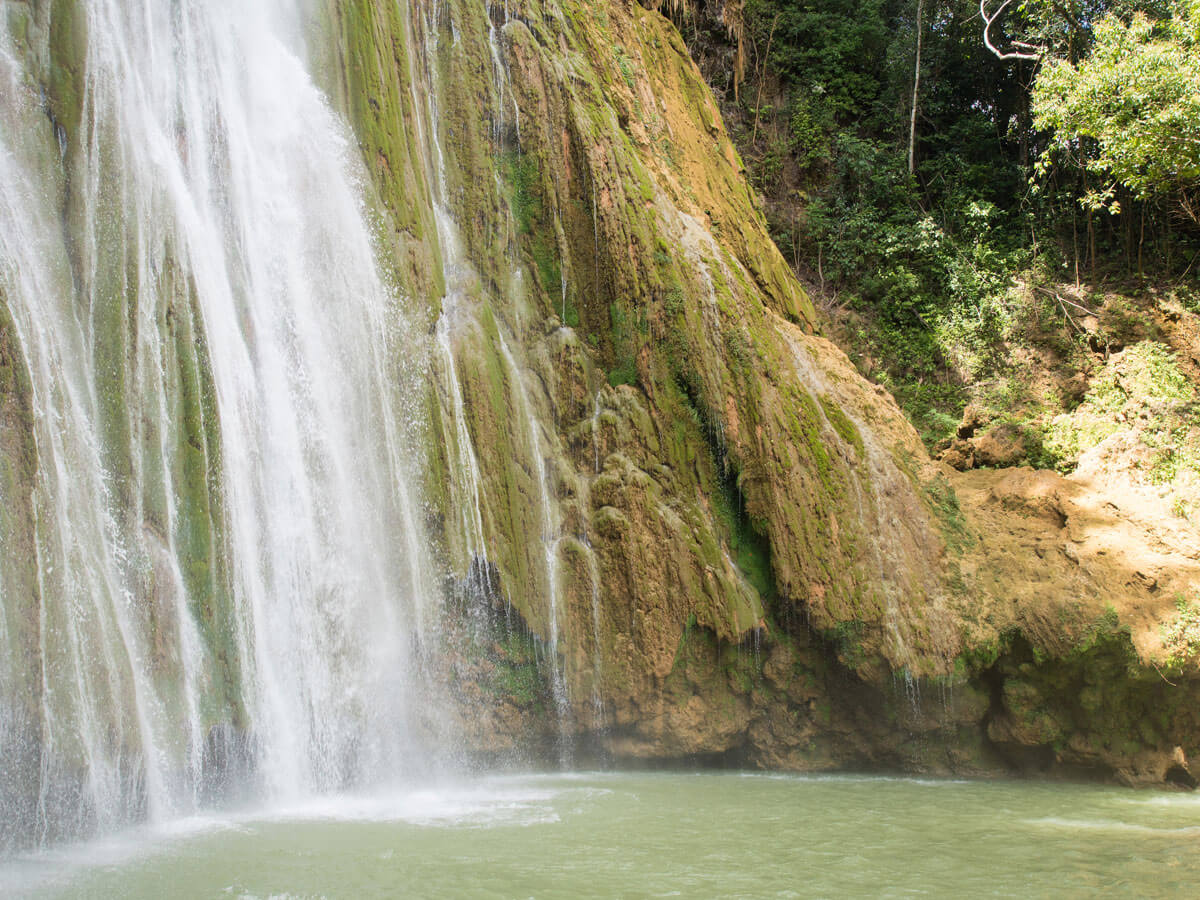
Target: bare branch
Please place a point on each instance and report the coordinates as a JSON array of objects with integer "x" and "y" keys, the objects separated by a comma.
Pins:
[
  {"x": 1023, "y": 51},
  {"x": 1062, "y": 299}
]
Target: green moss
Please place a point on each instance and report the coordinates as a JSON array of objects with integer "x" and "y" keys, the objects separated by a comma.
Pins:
[
  {"x": 16, "y": 397},
  {"x": 846, "y": 637},
  {"x": 624, "y": 343},
  {"x": 738, "y": 351},
  {"x": 375, "y": 70},
  {"x": 570, "y": 313},
  {"x": 68, "y": 57},
  {"x": 943, "y": 502},
  {"x": 1181, "y": 635},
  {"x": 718, "y": 671},
  {"x": 522, "y": 684},
  {"x": 495, "y": 420},
  {"x": 804, "y": 422},
  {"x": 437, "y": 477},
  {"x": 511, "y": 671},
  {"x": 527, "y": 201},
  {"x": 545, "y": 260},
  {"x": 843, "y": 426},
  {"x": 1143, "y": 392},
  {"x": 751, "y": 549},
  {"x": 624, "y": 372},
  {"x": 625, "y": 65},
  {"x": 1105, "y": 627},
  {"x": 18, "y": 27},
  {"x": 196, "y": 475},
  {"x": 675, "y": 315},
  {"x": 523, "y": 176},
  {"x": 1098, "y": 694}
]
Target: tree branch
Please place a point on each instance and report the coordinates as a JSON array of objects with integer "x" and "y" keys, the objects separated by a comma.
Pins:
[
  {"x": 1024, "y": 51},
  {"x": 1062, "y": 299}
]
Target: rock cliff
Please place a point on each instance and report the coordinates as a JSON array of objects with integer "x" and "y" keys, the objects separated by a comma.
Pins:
[
  {"x": 672, "y": 522},
  {"x": 753, "y": 557}
]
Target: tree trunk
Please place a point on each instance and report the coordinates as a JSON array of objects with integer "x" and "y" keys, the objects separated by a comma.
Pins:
[
  {"x": 1075, "y": 242},
  {"x": 1141, "y": 239},
  {"x": 1023, "y": 117},
  {"x": 912, "y": 124},
  {"x": 762, "y": 76}
]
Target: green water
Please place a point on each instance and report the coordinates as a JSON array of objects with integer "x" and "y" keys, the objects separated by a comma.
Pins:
[{"x": 659, "y": 835}]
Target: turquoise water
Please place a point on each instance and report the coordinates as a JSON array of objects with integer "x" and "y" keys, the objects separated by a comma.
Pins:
[{"x": 658, "y": 835}]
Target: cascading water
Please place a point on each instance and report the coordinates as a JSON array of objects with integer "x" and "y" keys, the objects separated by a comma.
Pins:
[
  {"x": 597, "y": 648},
  {"x": 461, "y": 281},
  {"x": 229, "y": 570},
  {"x": 468, "y": 484},
  {"x": 551, "y": 533}
]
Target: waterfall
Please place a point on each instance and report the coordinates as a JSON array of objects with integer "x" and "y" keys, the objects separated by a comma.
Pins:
[{"x": 226, "y": 571}]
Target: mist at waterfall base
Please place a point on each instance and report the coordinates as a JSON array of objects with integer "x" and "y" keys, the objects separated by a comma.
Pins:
[{"x": 610, "y": 835}]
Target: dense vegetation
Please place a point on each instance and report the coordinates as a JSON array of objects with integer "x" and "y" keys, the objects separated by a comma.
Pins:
[{"x": 1053, "y": 158}]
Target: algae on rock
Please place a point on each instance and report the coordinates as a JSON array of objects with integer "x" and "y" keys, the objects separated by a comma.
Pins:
[{"x": 721, "y": 466}]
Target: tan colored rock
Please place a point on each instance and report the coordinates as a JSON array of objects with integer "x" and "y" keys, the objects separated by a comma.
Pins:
[
  {"x": 959, "y": 455},
  {"x": 999, "y": 446},
  {"x": 756, "y": 559}
]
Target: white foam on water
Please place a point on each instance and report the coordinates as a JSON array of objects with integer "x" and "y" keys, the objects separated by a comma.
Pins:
[
  {"x": 439, "y": 806},
  {"x": 63, "y": 863},
  {"x": 1113, "y": 827},
  {"x": 515, "y": 801}
]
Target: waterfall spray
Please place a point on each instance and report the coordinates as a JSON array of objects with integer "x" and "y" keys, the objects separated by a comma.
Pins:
[{"x": 229, "y": 557}]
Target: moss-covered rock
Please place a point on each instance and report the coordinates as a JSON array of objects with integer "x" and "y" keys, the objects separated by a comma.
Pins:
[
  {"x": 720, "y": 475},
  {"x": 703, "y": 534}
]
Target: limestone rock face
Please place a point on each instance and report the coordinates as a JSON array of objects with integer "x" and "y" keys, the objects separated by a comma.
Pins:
[
  {"x": 713, "y": 460},
  {"x": 728, "y": 545}
]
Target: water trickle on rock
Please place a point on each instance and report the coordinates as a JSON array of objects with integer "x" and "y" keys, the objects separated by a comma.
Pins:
[{"x": 551, "y": 533}]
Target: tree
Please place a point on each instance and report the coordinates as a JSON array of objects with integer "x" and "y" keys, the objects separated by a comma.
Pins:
[
  {"x": 912, "y": 124},
  {"x": 1130, "y": 111}
]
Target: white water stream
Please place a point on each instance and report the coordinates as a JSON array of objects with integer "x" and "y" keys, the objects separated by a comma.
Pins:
[
  {"x": 551, "y": 534},
  {"x": 265, "y": 403}
]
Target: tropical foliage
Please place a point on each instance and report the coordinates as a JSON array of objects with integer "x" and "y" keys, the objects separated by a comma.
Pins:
[{"x": 1063, "y": 147}]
